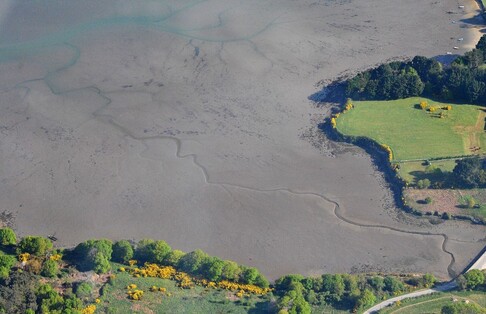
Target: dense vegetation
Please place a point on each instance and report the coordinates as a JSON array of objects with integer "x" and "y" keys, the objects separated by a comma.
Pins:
[
  {"x": 40, "y": 279},
  {"x": 298, "y": 294},
  {"x": 97, "y": 254},
  {"x": 463, "y": 81},
  {"x": 470, "y": 172},
  {"x": 468, "y": 298}
]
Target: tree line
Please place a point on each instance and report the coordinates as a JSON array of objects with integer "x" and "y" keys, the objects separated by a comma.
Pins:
[
  {"x": 463, "y": 81},
  {"x": 299, "y": 294},
  {"x": 97, "y": 254}
]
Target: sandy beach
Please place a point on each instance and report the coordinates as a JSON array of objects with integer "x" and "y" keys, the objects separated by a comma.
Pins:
[{"x": 189, "y": 121}]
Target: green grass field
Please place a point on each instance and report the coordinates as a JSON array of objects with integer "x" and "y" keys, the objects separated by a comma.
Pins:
[
  {"x": 434, "y": 303},
  {"x": 196, "y": 300},
  {"x": 415, "y": 134}
]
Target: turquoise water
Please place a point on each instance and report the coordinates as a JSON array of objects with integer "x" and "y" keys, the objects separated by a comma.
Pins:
[{"x": 29, "y": 27}]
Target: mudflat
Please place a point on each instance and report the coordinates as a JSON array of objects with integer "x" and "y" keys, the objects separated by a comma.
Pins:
[{"x": 189, "y": 121}]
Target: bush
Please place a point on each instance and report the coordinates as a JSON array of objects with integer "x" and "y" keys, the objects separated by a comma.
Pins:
[
  {"x": 34, "y": 266},
  {"x": 428, "y": 200},
  {"x": 34, "y": 245},
  {"x": 428, "y": 280},
  {"x": 49, "y": 269},
  {"x": 6, "y": 263},
  {"x": 393, "y": 285},
  {"x": 7, "y": 237},
  {"x": 446, "y": 216},
  {"x": 83, "y": 290},
  {"x": 471, "y": 202},
  {"x": 122, "y": 252},
  {"x": 423, "y": 184}
]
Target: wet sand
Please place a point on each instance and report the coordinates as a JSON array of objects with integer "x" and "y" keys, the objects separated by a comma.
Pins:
[{"x": 189, "y": 122}]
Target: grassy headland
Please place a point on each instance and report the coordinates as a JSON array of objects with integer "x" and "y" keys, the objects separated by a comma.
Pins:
[{"x": 416, "y": 134}]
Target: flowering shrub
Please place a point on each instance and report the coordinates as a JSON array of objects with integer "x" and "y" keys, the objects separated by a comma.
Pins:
[
  {"x": 388, "y": 150},
  {"x": 90, "y": 309}
]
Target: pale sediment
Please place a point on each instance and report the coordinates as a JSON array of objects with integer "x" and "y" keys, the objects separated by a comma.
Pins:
[{"x": 196, "y": 129}]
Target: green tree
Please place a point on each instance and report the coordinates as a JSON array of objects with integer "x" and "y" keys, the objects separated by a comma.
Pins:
[
  {"x": 474, "y": 278},
  {"x": 231, "y": 271},
  {"x": 49, "y": 269},
  {"x": 428, "y": 280},
  {"x": 6, "y": 263},
  {"x": 192, "y": 262},
  {"x": 34, "y": 245},
  {"x": 393, "y": 285},
  {"x": 261, "y": 281},
  {"x": 157, "y": 251},
  {"x": 141, "y": 251},
  {"x": 7, "y": 237},
  {"x": 101, "y": 263},
  {"x": 470, "y": 172},
  {"x": 173, "y": 258},
  {"x": 334, "y": 284},
  {"x": 17, "y": 293},
  {"x": 249, "y": 275},
  {"x": 213, "y": 269},
  {"x": 86, "y": 252},
  {"x": 367, "y": 299},
  {"x": 423, "y": 184},
  {"x": 122, "y": 251},
  {"x": 378, "y": 283}
]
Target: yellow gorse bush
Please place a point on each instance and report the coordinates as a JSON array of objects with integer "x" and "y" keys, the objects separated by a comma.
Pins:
[
  {"x": 24, "y": 257},
  {"x": 132, "y": 262},
  {"x": 248, "y": 289},
  {"x": 55, "y": 257},
  {"x": 185, "y": 281},
  {"x": 388, "y": 150},
  {"x": 333, "y": 122},
  {"x": 154, "y": 270},
  {"x": 90, "y": 309},
  {"x": 135, "y": 294}
]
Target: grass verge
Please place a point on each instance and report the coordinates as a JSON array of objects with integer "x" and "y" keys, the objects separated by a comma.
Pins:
[{"x": 434, "y": 303}]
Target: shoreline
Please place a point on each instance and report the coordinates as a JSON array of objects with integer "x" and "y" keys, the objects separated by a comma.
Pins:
[
  {"x": 380, "y": 158},
  {"x": 472, "y": 11}
]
